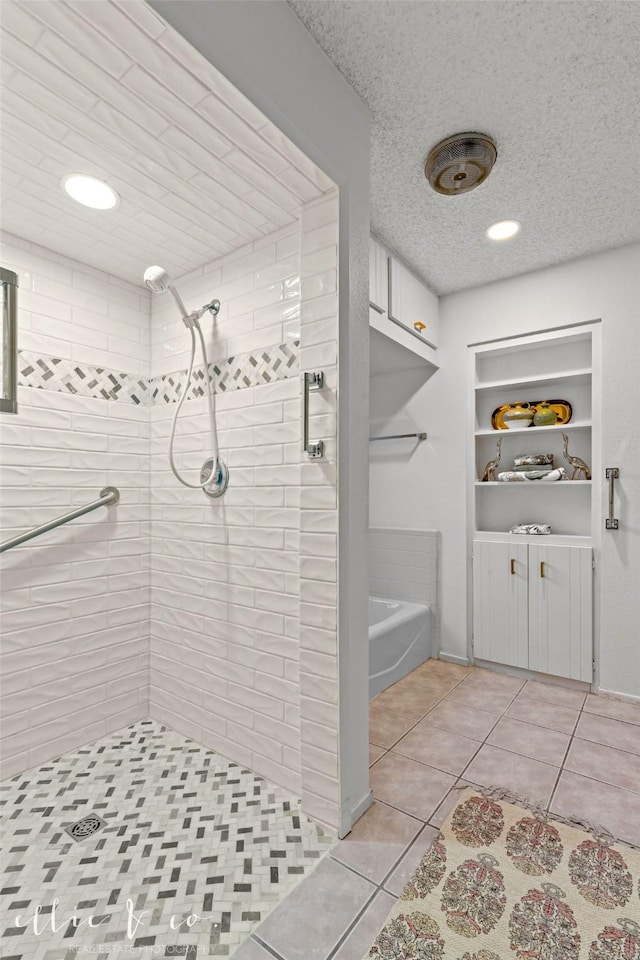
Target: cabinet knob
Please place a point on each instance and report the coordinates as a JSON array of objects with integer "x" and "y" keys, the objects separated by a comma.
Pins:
[
  {"x": 419, "y": 326},
  {"x": 542, "y": 569},
  {"x": 513, "y": 567}
]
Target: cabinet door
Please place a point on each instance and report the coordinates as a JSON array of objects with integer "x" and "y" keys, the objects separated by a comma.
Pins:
[
  {"x": 411, "y": 304},
  {"x": 560, "y": 611},
  {"x": 500, "y": 620},
  {"x": 378, "y": 277}
]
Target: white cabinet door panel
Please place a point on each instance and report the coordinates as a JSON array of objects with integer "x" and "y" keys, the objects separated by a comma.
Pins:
[
  {"x": 412, "y": 304},
  {"x": 500, "y": 615},
  {"x": 378, "y": 277},
  {"x": 560, "y": 611}
]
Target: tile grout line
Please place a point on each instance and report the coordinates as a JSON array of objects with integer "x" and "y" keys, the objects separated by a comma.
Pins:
[{"x": 572, "y": 737}]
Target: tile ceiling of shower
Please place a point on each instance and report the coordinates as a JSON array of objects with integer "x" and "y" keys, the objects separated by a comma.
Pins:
[{"x": 107, "y": 88}]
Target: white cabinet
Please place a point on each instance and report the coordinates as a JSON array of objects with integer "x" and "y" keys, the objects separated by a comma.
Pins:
[
  {"x": 378, "y": 276},
  {"x": 532, "y": 606},
  {"x": 396, "y": 345},
  {"x": 411, "y": 304},
  {"x": 532, "y": 595}
]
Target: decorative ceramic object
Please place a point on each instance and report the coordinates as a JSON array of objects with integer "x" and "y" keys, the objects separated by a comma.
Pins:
[
  {"x": 511, "y": 476},
  {"x": 561, "y": 407},
  {"x": 491, "y": 468},
  {"x": 518, "y": 415},
  {"x": 579, "y": 466},
  {"x": 545, "y": 415},
  {"x": 537, "y": 529}
]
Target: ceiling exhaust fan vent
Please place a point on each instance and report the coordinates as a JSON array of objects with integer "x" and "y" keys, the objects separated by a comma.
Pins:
[{"x": 459, "y": 163}]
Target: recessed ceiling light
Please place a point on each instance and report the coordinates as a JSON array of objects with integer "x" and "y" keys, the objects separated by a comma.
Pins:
[
  {"x": 503, "y": 230},
  {"x": 90, "y": 192}
]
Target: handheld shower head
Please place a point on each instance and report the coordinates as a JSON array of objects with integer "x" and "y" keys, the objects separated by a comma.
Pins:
[{"x": 157, "y": 279}]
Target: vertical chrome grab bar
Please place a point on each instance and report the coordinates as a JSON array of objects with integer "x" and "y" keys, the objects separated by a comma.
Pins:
[
  {"x": 612, "y": 474},
  {"x": 313, "y": 448},
  {"x": 9, "y": 400}
]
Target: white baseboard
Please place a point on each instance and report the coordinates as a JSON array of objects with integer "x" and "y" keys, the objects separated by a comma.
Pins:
[
  {"x": 614, "y": 695},
  {"x": 454, "y": 658}
]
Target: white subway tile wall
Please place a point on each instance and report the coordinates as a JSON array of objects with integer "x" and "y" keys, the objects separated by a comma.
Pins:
[
  {"x": 214, "y": 584},
  {"x": 228, "y": 657},
  {"x": 75, "y": 603},
  {"x": 403, "y": 565},
  {"x": 317, "y": 539}
]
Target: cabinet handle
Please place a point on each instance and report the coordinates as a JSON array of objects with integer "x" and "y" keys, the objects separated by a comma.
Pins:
[
  {"x": 542, "y": 569},
  {"x": 513, "y": 567},
  {"x": 419, "y": 326}
]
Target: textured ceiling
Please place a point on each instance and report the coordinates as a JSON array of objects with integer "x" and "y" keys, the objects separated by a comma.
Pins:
[
  {"x": 107, "y": 88},
  {"x": 557, "y": 84}
]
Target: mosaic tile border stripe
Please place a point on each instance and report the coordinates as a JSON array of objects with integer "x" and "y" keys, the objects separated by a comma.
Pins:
[{"x": 256, "y": 368}]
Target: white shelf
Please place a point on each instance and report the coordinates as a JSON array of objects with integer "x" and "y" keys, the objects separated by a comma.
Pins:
[
  {"x": 530, "y": 483},
  {"x": 553, "y": 539},
  {"x": 553, "y": 428},
  {"x": 576, "y": 376}
]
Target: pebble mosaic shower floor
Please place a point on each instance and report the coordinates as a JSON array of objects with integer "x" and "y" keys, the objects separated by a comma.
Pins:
[{"x": 194, "y": 852}]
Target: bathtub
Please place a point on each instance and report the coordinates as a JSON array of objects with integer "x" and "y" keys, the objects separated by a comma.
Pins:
[{"x": 399, "y": 640}]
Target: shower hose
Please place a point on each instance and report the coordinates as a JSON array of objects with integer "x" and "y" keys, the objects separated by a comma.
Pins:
[{"x": 216, "y": 471}]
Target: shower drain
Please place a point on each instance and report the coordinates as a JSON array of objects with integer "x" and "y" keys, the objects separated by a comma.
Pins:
[{"x": 86, "y": 827}]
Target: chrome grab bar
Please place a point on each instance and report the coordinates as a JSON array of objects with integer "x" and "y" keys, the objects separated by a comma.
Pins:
[
  {"x": 400, "y": 436},
  {"x": 612, "y": 474},
  {"x": 313, "y": 448},
  {"x": 108, "y": 496},
  {"x": 9, "y": 399}
]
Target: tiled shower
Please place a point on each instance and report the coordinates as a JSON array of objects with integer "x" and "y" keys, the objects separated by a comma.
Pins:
[{"x": 169, "y": 617}]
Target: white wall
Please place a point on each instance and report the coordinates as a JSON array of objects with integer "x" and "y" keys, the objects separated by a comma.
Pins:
[
  {"x": 603, "y": 286},
  {"x": 269, "y": 56},
  {"x": 75, "y": 602}
]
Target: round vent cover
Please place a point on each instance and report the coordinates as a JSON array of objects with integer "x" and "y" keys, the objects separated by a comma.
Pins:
[{"x": 460, "y": 163}]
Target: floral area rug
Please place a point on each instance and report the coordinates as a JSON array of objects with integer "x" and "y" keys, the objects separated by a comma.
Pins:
[{"x": 505, "y": 882}]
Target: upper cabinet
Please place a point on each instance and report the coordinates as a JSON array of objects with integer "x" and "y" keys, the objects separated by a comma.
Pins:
[
  {"x": 411, "y": 304},
  {"x": 403, "y": 316}
]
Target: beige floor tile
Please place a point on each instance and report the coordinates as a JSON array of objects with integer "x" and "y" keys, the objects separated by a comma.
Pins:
[
  {"x": 378, "y": 840},
  {"x": 385, "y": 727},
  {"x": 615, "y": 709},
  {"x": 613, "y": 733},
  {"x": 446, "y": 669},
  {"x": 530, "y": 740},
  {"x": 502, "y": 682},
  {"x": 409, "y": 786},
  {"x": 375, "y": 753},
  {"x": 482, "y": 697},
  {"x": 552, "y": 693},
  {"x": 522, "y": 775},
  {"x": 251, "y": 950},
  {"x": 407, "y": 701},
  {"x": 544, "y": 714},
  {"x": 308, "y": 924},
  {"x": 439, "y": 748},
  {"x": 410, "y": 862},
  {"x": 604, "y": 763},
  {"x": 614, "y": 808},
  {"x": 451, "y": 800},
  {"x": 361, "y": 938},
  {"x": 462, "y": 719}
]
